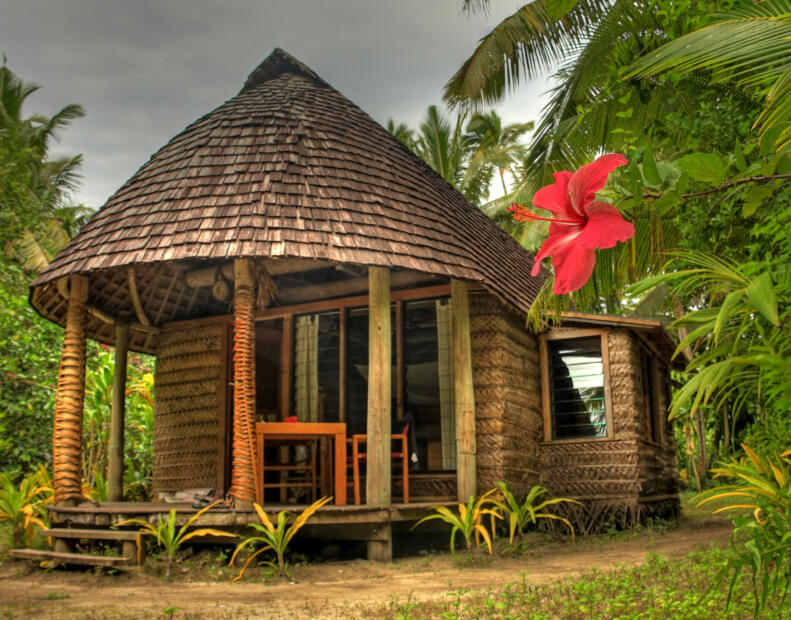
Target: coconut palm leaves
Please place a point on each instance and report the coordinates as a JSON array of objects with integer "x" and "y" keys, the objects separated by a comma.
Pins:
[
  {"x": 523, "y": 46},
  {"x": 529, "y": 511},
  {"x": 275, "y": 537},
  {"x": 750, "y": 46},
  {"x": 468, "y": 520},
  {"x": 167, "y": 537},
  {"x": 761, "y": 488}
]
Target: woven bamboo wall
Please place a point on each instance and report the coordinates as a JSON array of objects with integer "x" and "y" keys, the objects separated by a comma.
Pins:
[
  {"x": 187, "y": 407},
  {"x": 507, "y": 396},
  {"x": 614, "y": 476}
]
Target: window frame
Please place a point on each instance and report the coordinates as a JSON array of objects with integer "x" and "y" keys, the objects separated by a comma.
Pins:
[{"x": 546, "y": 395}]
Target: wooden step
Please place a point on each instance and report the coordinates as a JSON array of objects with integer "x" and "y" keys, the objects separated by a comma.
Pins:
[
  {"x": 88, "y": 534},
  {"x": 69, "y": 558}
]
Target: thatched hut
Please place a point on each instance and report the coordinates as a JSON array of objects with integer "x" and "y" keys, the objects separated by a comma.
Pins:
[{"x": 285, "y": 256}]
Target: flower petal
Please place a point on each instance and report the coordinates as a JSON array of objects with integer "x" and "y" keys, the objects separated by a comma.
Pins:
[
  {"x": 573, "y": 267},
  {"x": 605, "y": 227},
  {"x": 555, "y": 198},
  {"x": 560, "y": 235},
  {"x": 590, "y": 178}
]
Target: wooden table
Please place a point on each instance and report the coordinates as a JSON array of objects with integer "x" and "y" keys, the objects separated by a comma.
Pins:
[{"x": 294, "y": 431}]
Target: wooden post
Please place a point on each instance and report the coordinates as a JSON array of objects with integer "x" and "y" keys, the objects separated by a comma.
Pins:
[
  {"x": 377, "y": 479},
  {"x": 464, "y": 396},
  {"x": 286, "y": 366},
  {"x": 70, "y": 399},
  {"x": 115, "y": 466},
  {"x": 342, "y": 316},
  {"x": 244, "y": 472},
  {"x": 399, "y": 364}
]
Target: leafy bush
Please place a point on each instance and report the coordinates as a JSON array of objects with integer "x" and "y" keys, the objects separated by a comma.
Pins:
[{"x": 23, "y": 507}]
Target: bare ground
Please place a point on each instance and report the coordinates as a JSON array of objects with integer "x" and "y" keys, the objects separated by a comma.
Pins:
[{"x": 328, "y": 590}]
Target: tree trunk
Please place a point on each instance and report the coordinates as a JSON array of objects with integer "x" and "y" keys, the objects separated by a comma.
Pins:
[{"x": 70, "y": 399}]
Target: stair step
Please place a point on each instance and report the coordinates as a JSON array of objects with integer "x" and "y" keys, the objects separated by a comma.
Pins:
[
  {"x": 88, "y": 534},
  {"x": 68, "y": 558}
]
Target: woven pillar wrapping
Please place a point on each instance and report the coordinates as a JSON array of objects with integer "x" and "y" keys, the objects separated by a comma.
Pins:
[
  {"x": 69, "y": 399},
  {"x": 244, "y": 474}
]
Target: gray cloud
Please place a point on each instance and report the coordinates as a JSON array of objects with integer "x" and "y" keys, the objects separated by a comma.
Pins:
[{"x": 144, "y": 69}]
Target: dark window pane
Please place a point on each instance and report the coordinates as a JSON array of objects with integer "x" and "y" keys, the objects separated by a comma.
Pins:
[{"x": 577, "y": 388}]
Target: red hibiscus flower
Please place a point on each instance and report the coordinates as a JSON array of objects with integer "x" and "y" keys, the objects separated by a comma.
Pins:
[{"x": 580, "y": 225}]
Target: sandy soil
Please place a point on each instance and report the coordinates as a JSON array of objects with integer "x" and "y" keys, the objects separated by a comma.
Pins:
[{"x": 327, "y": 590}]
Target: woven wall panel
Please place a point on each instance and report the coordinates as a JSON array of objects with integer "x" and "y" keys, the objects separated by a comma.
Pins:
[
  {"x": 507, "y": 413},
  {"x": 627, "y": 466},
  {"x": 187, "y": 407}
]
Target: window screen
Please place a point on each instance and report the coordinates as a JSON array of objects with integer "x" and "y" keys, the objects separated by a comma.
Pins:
[{"x": 576, "y": 378}]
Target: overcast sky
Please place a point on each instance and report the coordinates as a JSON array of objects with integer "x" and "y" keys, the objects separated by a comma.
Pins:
[{"x": 145, "y": 69}]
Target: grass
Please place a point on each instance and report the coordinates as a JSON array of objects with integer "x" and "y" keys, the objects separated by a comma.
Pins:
[{"x": 661, "y": 588}]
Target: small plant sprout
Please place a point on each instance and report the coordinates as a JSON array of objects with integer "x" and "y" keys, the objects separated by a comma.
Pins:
[
  {"x": 274, "y": 537},
  {"x": 166, "y": 535},
  {"x": 528, "y": 512},
  {"x": 468, "y": 521}
]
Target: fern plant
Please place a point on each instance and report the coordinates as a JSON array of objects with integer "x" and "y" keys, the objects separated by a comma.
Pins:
[
  {"x": 166, "y": 535},
  {"x": 468, "y": 520},
  {"x": 275, "y": 537}
]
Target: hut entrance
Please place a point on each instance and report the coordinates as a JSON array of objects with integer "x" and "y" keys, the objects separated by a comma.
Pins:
[{"x": 314, "y": 365}]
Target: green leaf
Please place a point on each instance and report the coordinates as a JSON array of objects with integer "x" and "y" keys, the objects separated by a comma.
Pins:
[
  {"x": 762, "y": 295},
  {"x": 649, "y": 166},
  {"x": 705, "y": 167},
  {"x": 558, "y": 8},
  {"x": 741, "y": 163},
  {"x": 769, "y": 137},
  {"x": 753, "y": 199},
  {"x": 666, "y": 203}
]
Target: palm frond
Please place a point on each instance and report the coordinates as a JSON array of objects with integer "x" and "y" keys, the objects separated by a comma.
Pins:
[{"x": 522, "y": 46}]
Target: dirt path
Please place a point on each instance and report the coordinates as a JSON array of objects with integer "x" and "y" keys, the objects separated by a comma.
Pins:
[{"x": 332, "y": 590}]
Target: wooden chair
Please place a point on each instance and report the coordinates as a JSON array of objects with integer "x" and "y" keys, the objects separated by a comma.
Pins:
[
  {"x": 294, "y": 473},
  {"x": 399, "y": 455}
]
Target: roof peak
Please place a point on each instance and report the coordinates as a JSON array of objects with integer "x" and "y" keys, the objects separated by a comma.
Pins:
[{"x": 276, "y": 64}]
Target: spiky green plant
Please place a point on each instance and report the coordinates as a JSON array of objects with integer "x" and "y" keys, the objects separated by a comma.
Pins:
[
  {"x": 763, "y": 489},
  {"x": 22, "y": 507},
  {"x": 520, "y": 515},
  {"x": 274, "y": 537},
  {"x": 166, "y": 536},
  {"x": 468, "y": 520}
]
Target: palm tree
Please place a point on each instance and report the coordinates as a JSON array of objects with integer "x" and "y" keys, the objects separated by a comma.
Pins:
[
  {"x": 591, "y": 109},
  {"x": 32, "y": 186},
  {"x": 749, "y": 46}
]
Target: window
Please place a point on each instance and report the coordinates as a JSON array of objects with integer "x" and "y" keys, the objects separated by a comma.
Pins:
[{"x": 575, "y": 385}]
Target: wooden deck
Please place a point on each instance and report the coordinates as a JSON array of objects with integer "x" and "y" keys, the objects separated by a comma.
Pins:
[{"x": 362, "y": 523}]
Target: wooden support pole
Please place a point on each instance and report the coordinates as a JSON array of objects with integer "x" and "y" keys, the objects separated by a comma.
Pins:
[
  {"x": 244, "y": 472},
  {"x": 399, "y": 363},
  {"x": 286, "y": 366},
  {"x": 342, "y": 317},
  {"x": 377, "y": 479},
  {"x": 115, "y": 465},
  {"x": 464, "y": 396},
  {"x": 70, "y": 399}
]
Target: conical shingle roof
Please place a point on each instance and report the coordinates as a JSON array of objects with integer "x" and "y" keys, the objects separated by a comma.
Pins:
[{"x": 291, "y": 168}]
